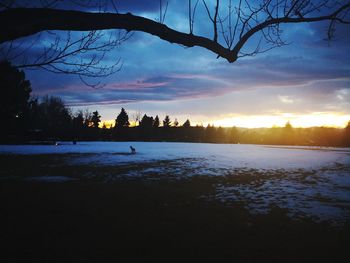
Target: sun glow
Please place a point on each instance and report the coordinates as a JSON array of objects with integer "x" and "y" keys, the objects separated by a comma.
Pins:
[
  {"x": 110, "y": 124},
  {"x": 302, "y": 121},
  {"x": 106, "y": 123},
  {"x": 266, "y": 121}
]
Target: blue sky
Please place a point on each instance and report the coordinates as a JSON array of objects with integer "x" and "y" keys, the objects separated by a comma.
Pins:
[{"x": 310, "y": 76}]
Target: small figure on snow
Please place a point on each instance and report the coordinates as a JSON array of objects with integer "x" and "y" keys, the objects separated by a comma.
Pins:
[{"x": 133, "y": 150}]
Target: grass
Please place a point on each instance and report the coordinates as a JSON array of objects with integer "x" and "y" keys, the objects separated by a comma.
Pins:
[{"x": 123, "y": 220}]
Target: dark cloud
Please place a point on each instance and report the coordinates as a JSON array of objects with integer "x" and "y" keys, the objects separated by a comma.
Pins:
[
  {"x": 278, "y": 72},
  {"x": 94, "y": 5},
  {"x": 308, "y": 75},
  {"x": 163, "y": 88}
]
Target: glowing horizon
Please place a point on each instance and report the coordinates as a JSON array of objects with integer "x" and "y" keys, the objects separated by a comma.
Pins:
[
  {"x": 296, "y": 120},
  {"x": 267, "y": 121}
]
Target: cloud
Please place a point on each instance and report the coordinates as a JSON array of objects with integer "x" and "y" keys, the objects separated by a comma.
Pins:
[
  {"x": 292, "y": 76},
  {"x": 94, "y": 5},
  {"x": 138, "y": 85},
  {"x": 308, "y": 75},
  {"x": 286, "y": 99},
  {"x": 161, "y": 88}
]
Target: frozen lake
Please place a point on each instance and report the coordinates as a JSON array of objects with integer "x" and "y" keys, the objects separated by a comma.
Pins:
[{"x": 309, "y": 182}]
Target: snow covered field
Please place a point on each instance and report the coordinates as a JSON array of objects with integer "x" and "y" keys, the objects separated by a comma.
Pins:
[
  {"x": 213, "y": 155},
  {"x": 307, "y": 181}
]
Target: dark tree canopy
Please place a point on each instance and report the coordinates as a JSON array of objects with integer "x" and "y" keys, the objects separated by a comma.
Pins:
[
  {"x": 122, "y": 120},
  {"x": 15, "y": 94},
  {"x": 95, "y": 119},
  {"x": 78, "y": 123},
  {"x": 156, "y": 122},
  {"x": 166, "y": 122},
  {"x": 146, "y": 122},
  {"x": 55, "y": 117},
  {"x": 187, "y": 124},
  {"x": 347, "y": 135}
]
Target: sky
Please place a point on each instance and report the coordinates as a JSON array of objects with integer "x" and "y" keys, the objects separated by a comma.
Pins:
[{"x": 306, "y": 82}]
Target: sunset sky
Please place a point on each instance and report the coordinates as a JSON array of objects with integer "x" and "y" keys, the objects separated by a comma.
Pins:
[{"x": 306, "y": 82}]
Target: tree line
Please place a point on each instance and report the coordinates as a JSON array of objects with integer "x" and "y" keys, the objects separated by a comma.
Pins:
[{"x": 28, "y": 119}]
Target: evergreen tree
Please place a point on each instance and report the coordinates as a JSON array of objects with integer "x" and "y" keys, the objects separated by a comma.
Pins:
[
  {"x": 95, "y": 119},
  {"x": 166, "y": 122},
  {"x": 186, "y": 124},
  {"x": 146, "y": 122},
  {"x": 122, "y": 120},
  {"x": 156, "y": 122},
  {"x": 176, "y": 123}
]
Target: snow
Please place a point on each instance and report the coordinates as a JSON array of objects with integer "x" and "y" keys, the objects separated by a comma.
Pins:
[
  {"x": 217, "y": 155},
  {"x": 311, "y": 182},
  {"x": 316, "y": 196}
]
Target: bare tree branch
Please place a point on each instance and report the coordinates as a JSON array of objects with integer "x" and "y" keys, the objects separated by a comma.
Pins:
[
  {"x": 286, "y": 20},
  {"x": 162, "y": 12},
  {"x": 214, "y": 19},
  {"x": 192, "y": 14},
  {"x": 265, "y": 18}
]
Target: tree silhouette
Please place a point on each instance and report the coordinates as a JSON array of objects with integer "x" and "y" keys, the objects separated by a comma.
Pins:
[
  {"x": 210, "y": 133},
  {"x": 15, "y": 94},
  {"x": 187, "y": 124},
  {"x": 78, "y": 124},
  {"x": 232, "y": 25},
  {"x": 95, "y": 119},
  {"x": 288, "y": 126},
  {"x": 78, "y": 119},
  {"x": 34, "y": 113},
  {"x": 176, "y": 123},
  {"x": 87, "y": 118},
  {"x": 288, "y": 134},
  {"x": 146, "y": 122},
  {"x": 347, "y": 135},
  {"x": 220, "y": 135},
  {"x": 50, "y": 119},
  {"x": 166, "y": 122},
  {"x": 53, "y": 117},
  {"x": 122, "y": 120},
  {"x": 233, "y": 135},
  {"x": 156, "y": 122}
]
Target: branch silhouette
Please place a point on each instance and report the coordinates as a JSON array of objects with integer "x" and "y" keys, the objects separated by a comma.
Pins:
[{"x": 22, "y": 22}]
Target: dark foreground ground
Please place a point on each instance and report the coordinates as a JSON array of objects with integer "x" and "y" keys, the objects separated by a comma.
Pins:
[{"x": 91, "y": 220}]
